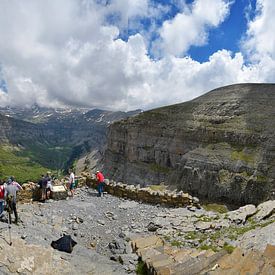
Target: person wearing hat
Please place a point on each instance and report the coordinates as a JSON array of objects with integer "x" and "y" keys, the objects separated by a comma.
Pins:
[
  {"x": 10, "y": 195},
  {"x": 100, "y": 183}
]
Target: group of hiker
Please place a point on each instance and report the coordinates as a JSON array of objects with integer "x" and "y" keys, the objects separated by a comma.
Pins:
[
  {"x": 8, "y": 192},
  {"x": 72, "y": 183},
  {"x": 45, "y": 184}
]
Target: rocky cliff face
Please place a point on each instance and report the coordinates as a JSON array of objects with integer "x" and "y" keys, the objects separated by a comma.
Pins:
[
  {"x": 220, "y": 146},
  {"x": 17, "y": 131}
]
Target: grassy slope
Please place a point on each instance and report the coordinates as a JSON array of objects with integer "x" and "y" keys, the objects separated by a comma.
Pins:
[
  {"x": 46, "y": 155},
  {"x": 21, "y": 167}
]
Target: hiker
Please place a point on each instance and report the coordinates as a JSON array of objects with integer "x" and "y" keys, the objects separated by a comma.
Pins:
[
  {"x": 43, "y": 185},
  {"x": 72, "y": 182},
  {"x": 49, "y": 187},
  {"x": 10, "y": 195},
  {"x": 100, "y": 183},
  {"x": 2, "y": 197}
]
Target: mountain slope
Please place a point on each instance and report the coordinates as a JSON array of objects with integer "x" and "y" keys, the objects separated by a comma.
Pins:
[
  {"x": 53, "y": 138},
  {"x": 220, "y": 146}
]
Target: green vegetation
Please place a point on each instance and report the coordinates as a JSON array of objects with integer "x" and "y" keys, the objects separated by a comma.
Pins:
[
  {"x": 196, "y": 235},
  {"x": 224, "y": 176},
  {"x": 158, "y": 187},
  {"x": 159, "y": 169},
  {"x": 207, "y": 247},
  {"x": 153, "y": 115},
  {"x": 177, "y": 243},
  {"x": 228, "y": 248},
  {"x": 233, "y": 232},
  {"x": 218, "y": 208},
  {"x": 192, "y": 235},
  {"x": 46, "y": 155},
  {"x": 236, "y": 123},
  {"x": 262, "y": 178},
  {"x": 167, "y": 238},
  {"x": 141, "y": 268},
  {"x": 210, "y": 240},
  {"x": 244, "y": 156},
  {"x": 203, "y": 218},
  {"x": 22, "y": 168}
]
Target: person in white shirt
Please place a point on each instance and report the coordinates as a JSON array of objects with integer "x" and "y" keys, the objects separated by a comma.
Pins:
[{"x": 72, "y": 182}]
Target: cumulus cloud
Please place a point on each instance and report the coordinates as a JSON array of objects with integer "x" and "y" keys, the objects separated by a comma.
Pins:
[
  {"x": 260, "y": 39},
  {"x": 70, "y": 53},
  {"x": 190, "y": 27}
]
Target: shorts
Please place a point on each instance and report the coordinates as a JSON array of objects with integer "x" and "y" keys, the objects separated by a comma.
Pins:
[{"x": 72, "y": 186}]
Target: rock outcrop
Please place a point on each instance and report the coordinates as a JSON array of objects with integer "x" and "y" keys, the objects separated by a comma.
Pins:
[
  {"x": 160, "y": 259},
  {"x": 220, "y": 146}
]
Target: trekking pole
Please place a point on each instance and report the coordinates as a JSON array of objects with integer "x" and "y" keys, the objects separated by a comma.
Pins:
[
  {"x": 9, "y": 211},
  {"x": 10, "y": 233}
]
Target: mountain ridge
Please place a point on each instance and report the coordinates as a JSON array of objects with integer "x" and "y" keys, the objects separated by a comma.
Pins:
[{"x": 219, "y": 146}]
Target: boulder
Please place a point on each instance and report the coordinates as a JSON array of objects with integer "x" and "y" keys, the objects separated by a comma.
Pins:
[
  {"x": 59, "y": 192},
  {"x": 145, "y": 242},
  {"x": 153, "y": 227},
  {"x": 203, "y": 226},
  {"x": 240, "y": 215},
  {"x": 265, "y": 210},
  {"x": 270, "y": 253}
]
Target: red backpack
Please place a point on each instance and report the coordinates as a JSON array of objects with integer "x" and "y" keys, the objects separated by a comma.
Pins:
[{"x": 2, "y": 191}]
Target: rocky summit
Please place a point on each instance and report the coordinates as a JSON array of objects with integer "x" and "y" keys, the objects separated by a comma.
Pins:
[{"x": 218, "y": 147}]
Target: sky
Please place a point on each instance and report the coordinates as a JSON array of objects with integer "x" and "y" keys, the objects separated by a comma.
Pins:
[{"x": 131, "y": 54}]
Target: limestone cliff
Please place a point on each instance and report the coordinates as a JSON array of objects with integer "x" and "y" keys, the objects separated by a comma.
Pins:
[
  {"x": 18, "y": 131},
  {"x": 220, "y": 146}
]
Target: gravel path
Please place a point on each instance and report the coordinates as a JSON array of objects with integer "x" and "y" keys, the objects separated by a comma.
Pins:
[{"x": 102, "y": 227}]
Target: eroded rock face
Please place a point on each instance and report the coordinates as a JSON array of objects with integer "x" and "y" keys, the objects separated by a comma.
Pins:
[{"x": 220, "y": 146}]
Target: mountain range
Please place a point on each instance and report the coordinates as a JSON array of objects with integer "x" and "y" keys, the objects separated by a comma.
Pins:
[{"x": 51, "y": 139}]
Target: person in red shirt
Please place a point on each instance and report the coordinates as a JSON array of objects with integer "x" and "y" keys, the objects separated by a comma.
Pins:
[{"x": 100, "y": 183}]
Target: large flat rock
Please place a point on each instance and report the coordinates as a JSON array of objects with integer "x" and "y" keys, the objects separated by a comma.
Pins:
[{"x": 59, "y": 192}]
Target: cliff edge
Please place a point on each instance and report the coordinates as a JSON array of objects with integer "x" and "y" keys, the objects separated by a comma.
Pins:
[{"x": 220, "y": 146}]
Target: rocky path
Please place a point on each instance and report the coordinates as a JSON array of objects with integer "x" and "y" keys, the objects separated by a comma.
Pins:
[{"x": 102, "y": 228}]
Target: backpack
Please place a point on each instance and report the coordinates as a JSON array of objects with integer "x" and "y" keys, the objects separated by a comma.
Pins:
[
  {"x": 65, "y": 243},
  {"x": 2, "y": 192}
]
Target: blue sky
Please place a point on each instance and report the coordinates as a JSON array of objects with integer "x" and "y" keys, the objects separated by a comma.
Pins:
[
  {"x": 128, "y": 54},
  {"x": 227, "y": 36}
]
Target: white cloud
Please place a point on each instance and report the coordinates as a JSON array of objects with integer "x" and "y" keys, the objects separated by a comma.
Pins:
[
  {"x": 59, "y": 53},
  {"x": 190, "y": 27},
  {"x": 260, "y": 39},
  {"x": 125, "y": 10}
]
